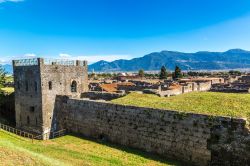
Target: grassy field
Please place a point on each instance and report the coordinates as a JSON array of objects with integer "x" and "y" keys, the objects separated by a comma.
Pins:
[
  {"x": 70, "y": 150},
  {"x": 212, "y": 103}
]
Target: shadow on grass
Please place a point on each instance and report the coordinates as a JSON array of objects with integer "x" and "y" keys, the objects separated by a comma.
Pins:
[{"x": 147, "y": 155}]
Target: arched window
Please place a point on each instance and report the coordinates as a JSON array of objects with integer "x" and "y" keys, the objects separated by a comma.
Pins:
[
  {"x": 74, "y": 86},
  {"x": 28, "y": 120},
  {"x": 50, "y": 85}
]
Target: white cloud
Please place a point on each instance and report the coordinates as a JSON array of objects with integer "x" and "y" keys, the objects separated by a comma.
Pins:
[
  {"x": 2, "y": 1},
  {"x": 8, "y": 59},
  {"x": 30, "y": 55},
  {"x": 90, "y": 58},
  {"x": 3, "y": 61},
  {"x": 94, "y": 58},
  {"x": 62, "y": 55}
]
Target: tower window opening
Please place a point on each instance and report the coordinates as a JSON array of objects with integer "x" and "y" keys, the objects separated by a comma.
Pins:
[
  {"x": 18, "y": 85},
  {"x": 26, "y": 85},
  {"x": 28, "y": 120},
  {"x": 32, "y": 109},
  {"x": 50, "y": 85},
  {"x": 74, "y": 86},
  {"x": 35, "y": 86}
]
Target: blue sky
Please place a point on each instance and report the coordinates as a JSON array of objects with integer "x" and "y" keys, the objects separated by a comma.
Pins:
[{"x": 115, "y": 29}]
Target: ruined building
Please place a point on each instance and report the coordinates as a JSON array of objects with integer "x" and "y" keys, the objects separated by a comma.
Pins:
[{"x": 38, "y": 82}]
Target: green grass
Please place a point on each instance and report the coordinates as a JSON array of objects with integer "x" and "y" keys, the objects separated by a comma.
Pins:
[
  {"x": 211, "y": 103},
  {"x": 8, "y": 90},
  {"x": 70, "y": 150}
]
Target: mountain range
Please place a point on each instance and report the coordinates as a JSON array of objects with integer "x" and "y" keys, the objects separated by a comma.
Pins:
[{"x": 203, "y": 60}]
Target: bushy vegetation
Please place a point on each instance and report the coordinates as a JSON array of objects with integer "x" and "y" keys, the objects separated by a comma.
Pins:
[
  {"x": 70, "y": 150},
  {"x": 8, "y": 90},
  {"x": 9, "y": 79},
  {"x": 2, "y": 77},
  {"x": 141, "y": 73},
  {"x": 211, "y": 103}
]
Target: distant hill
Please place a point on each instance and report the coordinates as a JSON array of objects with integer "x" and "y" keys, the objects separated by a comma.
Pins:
[{"x": 204, "y": 60}]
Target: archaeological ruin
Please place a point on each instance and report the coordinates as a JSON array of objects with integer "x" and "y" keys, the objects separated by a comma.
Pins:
[
  {"x": 48, "y": 97},
  {"x": 38, "y": 82}
]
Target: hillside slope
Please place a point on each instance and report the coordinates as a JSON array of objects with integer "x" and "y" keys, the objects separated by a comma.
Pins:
[
  {"x": 70, "y": 150},
  {"x": 231, "y": 59}
]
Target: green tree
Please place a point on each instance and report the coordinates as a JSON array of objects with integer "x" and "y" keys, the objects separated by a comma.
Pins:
[
  {"x": 92, "y": 75},
  {"x": 163, "y": 73},
  {"x": 2, "y": 76},
  {"x": 141, "y": 73},
  {"x": 234, "y": 72},
  {"x": 177, "y": 73}
]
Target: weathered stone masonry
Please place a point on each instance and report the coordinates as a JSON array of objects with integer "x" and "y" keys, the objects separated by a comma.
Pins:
[
  {"x": 193, "y": 138},
  {"x": 37, "y": 82}
]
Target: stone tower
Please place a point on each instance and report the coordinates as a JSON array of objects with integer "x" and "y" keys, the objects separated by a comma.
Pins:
[{"x": 38, "y": 82}]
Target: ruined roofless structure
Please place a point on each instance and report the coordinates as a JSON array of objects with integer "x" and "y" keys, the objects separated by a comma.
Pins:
[{"x": 38, "y": 82}]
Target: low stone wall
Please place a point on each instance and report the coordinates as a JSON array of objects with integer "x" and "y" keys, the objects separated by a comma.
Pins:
[
  {"x": 94, "y": 95},
  {"x": 193, "y": 138},
  {"x": 131, "y": 88},
  {"x": 7, "y": 108}
]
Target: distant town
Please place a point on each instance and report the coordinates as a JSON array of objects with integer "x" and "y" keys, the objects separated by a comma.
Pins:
[{"x": 166, "y": 84}]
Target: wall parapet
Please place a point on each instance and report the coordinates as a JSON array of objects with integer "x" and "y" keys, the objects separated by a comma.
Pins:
[
  {"x": 48, "y": 61},
  {"x": 25, "y": 62}
]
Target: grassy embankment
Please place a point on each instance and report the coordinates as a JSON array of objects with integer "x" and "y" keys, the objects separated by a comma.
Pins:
[
  {"x": 211, "y": 103},
  {"x": 70, "y": 150}
]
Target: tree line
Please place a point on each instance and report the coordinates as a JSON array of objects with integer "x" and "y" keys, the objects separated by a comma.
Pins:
[
  {"x": 164, "y": 74},
  {"x": 176, "y": 74},
  {"x": 2, "y": 77}
]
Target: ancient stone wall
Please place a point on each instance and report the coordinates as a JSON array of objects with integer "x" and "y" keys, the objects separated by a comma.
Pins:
[
  {"x": 96, "y": 95},
  {"x": 28, "y": 100},
  {"x": 204, "y": 86},
  {"x": 133, "y": 88},
  {"x": 37, "y": 82},
  {"x": 57, "y": 80},
  {"x": 192, "y": 138},
  {"x": 7, "y": 109}
]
